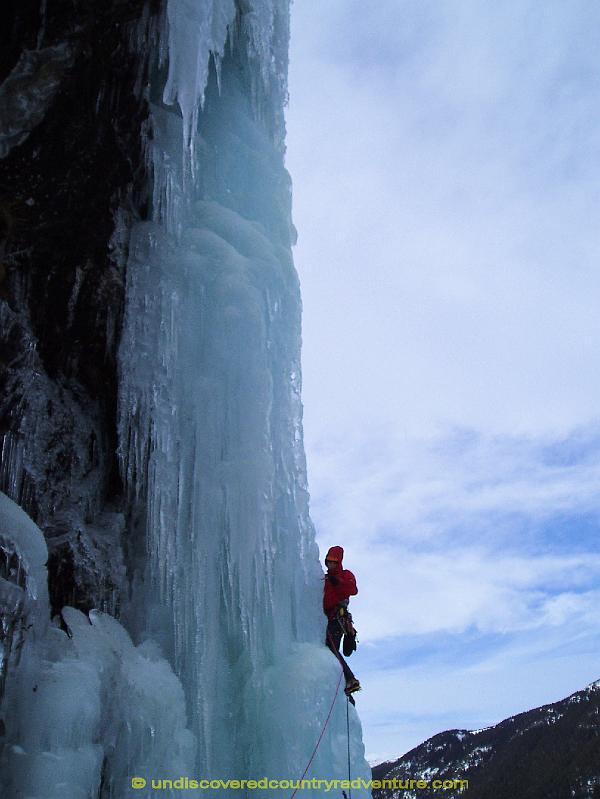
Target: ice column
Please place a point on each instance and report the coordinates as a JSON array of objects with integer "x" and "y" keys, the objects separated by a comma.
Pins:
[{"x": 227, "y": 576}]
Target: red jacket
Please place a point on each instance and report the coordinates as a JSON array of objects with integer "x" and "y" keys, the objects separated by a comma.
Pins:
[{"x": 345, "y": 587}]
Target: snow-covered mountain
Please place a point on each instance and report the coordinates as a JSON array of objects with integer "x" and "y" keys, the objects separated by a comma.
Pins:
[
  {"x": 552, "y": 752},
  {"x": 151, "y": 414}
]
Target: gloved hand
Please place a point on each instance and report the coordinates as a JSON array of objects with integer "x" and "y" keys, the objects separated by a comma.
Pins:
[{"x": 333, "y": 579}]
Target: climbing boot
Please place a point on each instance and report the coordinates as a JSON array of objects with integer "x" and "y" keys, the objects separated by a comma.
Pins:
[{"x": 352, "y": 686}]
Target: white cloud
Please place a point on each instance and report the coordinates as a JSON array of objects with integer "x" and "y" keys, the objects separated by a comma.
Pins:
[
  {"x": 418, "y": 491},
  {"x": 451, "y": 539},
  {"x": 406, "y": 705},
  {"x": 446, "y": 207},
  {"x": 446, "y": 163}
]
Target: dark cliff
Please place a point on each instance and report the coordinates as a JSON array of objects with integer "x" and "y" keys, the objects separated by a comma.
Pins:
[{"x": 73, "y": 80}]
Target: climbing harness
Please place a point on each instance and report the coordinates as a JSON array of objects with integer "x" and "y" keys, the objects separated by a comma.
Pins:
[
  {"x": 344, "y": 619},
  {"x": 350, "y": 639}
]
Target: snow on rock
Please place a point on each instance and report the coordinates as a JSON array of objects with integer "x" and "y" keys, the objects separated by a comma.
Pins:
[
  {"x": 23, "y": 551},
  {"x": 23, "y": 584},
  {"x": 84, "y": 709}
]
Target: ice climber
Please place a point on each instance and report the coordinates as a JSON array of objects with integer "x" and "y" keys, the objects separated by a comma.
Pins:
[{"x": 340, "y": 585}]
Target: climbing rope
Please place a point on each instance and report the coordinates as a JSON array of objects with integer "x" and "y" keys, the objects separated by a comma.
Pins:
[
  {"x": 312, "y": 757},
  {"x": 335, "y": 650},
  {"x": 348, "y": 740},
  {"x": 339, "y": 657}
]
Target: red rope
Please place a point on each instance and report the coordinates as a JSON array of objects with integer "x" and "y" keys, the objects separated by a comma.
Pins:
[
  {"x": 312, "y": 757},
  {"x": 335, "y": 650}
]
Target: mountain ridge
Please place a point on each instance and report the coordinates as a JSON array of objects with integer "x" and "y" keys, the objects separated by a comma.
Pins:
[{"x": 552, "y": 751}]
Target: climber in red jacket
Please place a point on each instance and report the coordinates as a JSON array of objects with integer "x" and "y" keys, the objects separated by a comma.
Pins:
[{"x": 340, "y": 585}]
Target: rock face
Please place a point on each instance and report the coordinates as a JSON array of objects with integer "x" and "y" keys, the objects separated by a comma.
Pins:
[
  {"x": 72, "y": 180},
  {"x": 552, "y": 751}
]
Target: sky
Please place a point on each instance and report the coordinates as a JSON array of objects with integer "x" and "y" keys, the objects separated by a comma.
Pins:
[{"x": 445, "y": 158}]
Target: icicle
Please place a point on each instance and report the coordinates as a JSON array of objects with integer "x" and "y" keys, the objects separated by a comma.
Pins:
[{"x": 210, "y": 420}]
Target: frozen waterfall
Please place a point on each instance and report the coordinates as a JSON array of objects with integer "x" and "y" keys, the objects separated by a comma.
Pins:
[
  {"x": 210, "y": 405},
  {"x": 225, "y": 674}
]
